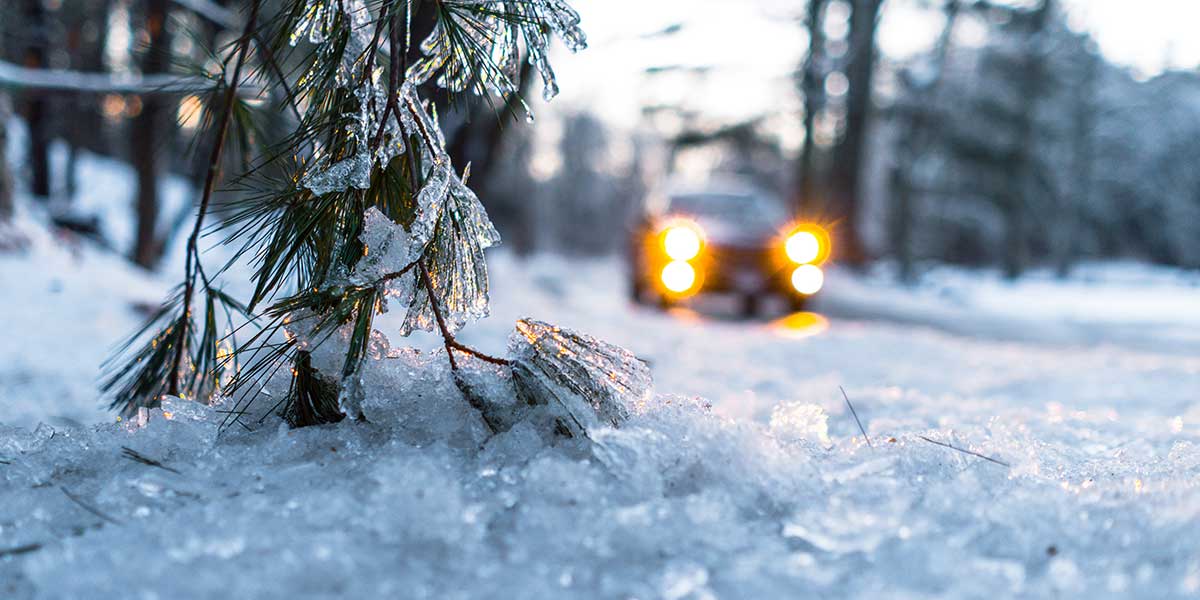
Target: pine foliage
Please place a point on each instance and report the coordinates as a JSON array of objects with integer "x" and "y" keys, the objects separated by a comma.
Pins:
[{"x": 356, "y": 211}]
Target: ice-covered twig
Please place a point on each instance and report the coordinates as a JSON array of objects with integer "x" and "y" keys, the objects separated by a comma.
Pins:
[
  {"x": 855, "y": 413},
  {"x": 965, "y": 451}
]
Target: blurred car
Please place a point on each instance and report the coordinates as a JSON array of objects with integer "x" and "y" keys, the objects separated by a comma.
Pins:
[{"x": 719, "y": 240}]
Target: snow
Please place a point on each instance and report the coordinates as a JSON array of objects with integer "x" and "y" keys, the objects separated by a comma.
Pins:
[
  {"x": 64, "y": 304},
  {"x": 745, "y": 477}
]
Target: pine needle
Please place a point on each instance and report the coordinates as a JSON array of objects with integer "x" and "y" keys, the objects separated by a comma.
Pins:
[
  {"x": 855, "y": 413},
  {"x": 17, "y": 550},
  {"x": 965, "y": 451},
  {"x": 88, "y": 507},
  {"x": 138, "y": 457}
]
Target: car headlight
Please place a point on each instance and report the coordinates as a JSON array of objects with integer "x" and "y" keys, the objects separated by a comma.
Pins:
[
  {"x": 803, "y": 247},
  {"x": 808, "y": 279},
  {"x": 682, "y": 242},
  {"x": 678, "y": 276}
]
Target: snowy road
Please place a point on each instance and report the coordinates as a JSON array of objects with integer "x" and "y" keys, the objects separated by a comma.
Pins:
[
  {"x": 933, "y": 378},
  {"x": 775, "y": 494}
]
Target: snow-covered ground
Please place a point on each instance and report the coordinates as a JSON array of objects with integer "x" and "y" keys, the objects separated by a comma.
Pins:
[{"x": 746, "y": 477}]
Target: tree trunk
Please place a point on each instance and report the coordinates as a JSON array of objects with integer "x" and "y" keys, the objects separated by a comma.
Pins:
[
  {"x": 850, "y": 154},
  {"x": 811, "y": 86},
  {"x": 36, "y": 109},
  {"x": 149, "y": 134},
  {"x": 915, "y": 143},
  {"x": 6, "y": 187},
  {"x": 87, "y": 34},
  {"x": 1016, "y": 246},
  {"x": 1066, "y": 241}
]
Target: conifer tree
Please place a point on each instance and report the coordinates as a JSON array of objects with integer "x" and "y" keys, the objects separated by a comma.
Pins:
[{"x": 358, "y": 210}]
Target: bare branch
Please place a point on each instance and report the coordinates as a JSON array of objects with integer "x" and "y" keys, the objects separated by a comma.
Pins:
[{"x": 63, "y": 80}]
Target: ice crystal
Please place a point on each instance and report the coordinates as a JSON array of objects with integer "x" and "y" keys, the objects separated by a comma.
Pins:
[
  {"x": 351, "y": 395},
  {"x": 385, "y": 248},
  {"x": 594, "y": 383},
  {"x": 353, "y": 171}
]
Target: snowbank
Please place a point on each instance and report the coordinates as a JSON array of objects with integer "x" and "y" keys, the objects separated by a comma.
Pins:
[
  {"x": 679, "y": 503},
  {"x": 1130, "y": 304}
]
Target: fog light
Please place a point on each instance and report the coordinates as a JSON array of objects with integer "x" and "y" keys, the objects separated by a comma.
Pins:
[
  {"x": 678, "y": 276},
  {"x": 681, "y": 242},
  {"x": 808, "y": 279}
]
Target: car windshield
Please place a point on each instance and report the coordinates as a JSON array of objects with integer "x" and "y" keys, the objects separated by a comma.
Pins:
[{"x": 744, "y": 209}]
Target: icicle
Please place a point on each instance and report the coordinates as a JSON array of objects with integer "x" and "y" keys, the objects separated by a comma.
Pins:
[
  {"x": 595, "y": 383},
  {"x": 451, "y": 231}
]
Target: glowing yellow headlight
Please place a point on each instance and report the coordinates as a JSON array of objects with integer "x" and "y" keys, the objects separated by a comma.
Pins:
[
  {"x": 678, "y": 276},
  {"x": 803, "y": 247},
  {"x": 681, "y": 242},
  {"x": 808, "y": 279}
]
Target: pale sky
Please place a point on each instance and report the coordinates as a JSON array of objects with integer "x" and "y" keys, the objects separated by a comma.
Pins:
[{"x": 752, "y": 47}]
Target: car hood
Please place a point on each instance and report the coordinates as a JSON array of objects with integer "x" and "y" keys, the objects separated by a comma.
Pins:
[{"x": 721, "y": 232}]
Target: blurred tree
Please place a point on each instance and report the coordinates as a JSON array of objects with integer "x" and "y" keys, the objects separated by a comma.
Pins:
[
  {"x": 1031, "y": 75},
  {"x": 916, "y": 114},
  {"x": 849, "y": 156},
  {"x": 812, "y": 89},
  {"x": 149, "y": 134},
  {"x": 583, "y": 214},
  {"x": 6, "y": 181},
  {"x": 36, "y": 32},
  {"x": 1037, "y": 151},
  {"x": 86, "y": 29},
  {"x": 1084, "y": 108}
]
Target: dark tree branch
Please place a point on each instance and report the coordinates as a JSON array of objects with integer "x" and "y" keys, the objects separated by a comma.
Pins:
[{"x": 210, "y": 179}]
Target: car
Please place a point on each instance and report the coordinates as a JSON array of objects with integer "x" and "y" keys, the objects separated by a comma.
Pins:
[{"x": 724, "y": 240}]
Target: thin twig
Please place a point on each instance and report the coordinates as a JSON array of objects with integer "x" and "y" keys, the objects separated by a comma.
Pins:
[
  {"x": 437, "y": 314},
  {"x": 965, "y": 451},
  {"x": 88, "y": 507},
  {"x": 447, "y": 337},
  {"x": 138, "y": 457},
  {"x": 210, "y": 179},
  {"x": 855, "y": 413}
]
